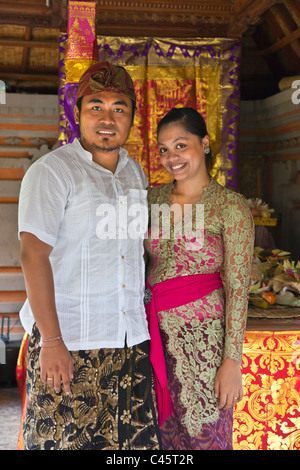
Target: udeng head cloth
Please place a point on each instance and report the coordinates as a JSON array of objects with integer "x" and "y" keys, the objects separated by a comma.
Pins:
[{"x": 106, "y": 77}]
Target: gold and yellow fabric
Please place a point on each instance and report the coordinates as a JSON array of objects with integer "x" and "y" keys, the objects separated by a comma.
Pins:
[
  {"x": 167, "y": 73},
  {"x": 268, "y": 417}
]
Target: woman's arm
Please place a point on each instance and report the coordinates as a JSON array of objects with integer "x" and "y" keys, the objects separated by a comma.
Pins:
[{"x": 238, "y": 237}]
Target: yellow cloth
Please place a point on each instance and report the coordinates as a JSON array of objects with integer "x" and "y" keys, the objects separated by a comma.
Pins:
[{"x": 201, "y": 73}]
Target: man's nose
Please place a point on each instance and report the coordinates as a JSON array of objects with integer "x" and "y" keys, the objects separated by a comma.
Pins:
[{"x": 106, "y": 116}]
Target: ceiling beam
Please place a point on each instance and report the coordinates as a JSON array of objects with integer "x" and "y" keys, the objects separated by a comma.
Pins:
[
  {"x": 25, "y": 50},
  {"x": 14, "y": 8},
  {"x": 249, "y": 14},
  {"x": 34, "y": 13},
  {"x": 220, "y": 7},
  {"x": 29, "y": 77},
  {"x": 282, "y": 42},
  {"x": 27, "y": 43}
]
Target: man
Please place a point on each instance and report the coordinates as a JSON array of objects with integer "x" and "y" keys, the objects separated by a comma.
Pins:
[{"x": 88, "y": 369}]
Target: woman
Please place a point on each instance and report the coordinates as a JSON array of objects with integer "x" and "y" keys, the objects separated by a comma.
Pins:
[{"x": 201, "y": 323}]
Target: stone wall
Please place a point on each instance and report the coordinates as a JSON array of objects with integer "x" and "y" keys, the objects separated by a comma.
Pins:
[{"x": 269, "y": 150}]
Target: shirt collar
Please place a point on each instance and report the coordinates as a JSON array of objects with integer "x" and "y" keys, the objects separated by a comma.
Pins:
[{"x": 86, "y": 155}]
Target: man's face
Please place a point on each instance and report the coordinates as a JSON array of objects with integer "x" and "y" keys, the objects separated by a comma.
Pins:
[{"x": 105, "y": 120}]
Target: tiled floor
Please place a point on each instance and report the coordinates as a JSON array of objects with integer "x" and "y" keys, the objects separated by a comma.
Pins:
[{"x": 10, "y": 417}]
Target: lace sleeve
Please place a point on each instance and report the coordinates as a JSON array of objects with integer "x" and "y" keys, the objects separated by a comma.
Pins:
[{"x": 238, "y": 236}]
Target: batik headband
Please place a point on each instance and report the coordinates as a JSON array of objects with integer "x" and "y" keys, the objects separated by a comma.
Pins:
[{"x": 106, "y": 77}]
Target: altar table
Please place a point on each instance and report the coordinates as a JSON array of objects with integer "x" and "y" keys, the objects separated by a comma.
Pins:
[{"x": 268, "y": 417}]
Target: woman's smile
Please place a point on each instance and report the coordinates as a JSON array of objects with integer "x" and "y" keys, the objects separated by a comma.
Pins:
[{"x": 182, "y": 153}]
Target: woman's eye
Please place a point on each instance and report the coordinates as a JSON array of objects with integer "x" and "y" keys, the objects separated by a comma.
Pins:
[
  {"x": 162, "y": 151},
  {"x": 96, "y": 108},
  {"x": 180, "y": 146}
]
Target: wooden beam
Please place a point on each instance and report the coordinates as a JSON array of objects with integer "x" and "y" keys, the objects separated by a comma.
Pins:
[
  {"x": 9, "y": 200},
  {"x": 220, "y": 8},
  {"x": 25, "y": 50},
  {"x": 28, "y": 43},
  {"x": 11, "y": 296},
  {"x": 15, "y": 174},
  {"x": 282, "y": 42},
  {"x": 15, "y": 154},
  {"x": 10, "y": 269},
  {"x": 14, "y": 8},
  {"x": 29, "y": 76}
]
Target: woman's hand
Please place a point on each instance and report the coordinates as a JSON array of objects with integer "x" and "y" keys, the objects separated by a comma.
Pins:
[
  {"x": 228, "y": 384},
  {"x": 56, "y": 366}
]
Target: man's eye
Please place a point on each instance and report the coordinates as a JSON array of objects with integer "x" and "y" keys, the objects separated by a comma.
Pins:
[
  {"x": 180, "y": 146},
  {"x": 119, "y": 110},
  {"x": 96, "y": 108}
]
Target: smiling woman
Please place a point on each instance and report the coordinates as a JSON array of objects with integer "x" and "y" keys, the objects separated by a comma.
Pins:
[
  {"x": 201, "y": 324},
  {"x": 183, "y": 144}
]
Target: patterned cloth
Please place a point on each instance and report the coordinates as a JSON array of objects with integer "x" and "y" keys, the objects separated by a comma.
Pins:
[
  {"x": 106, "y": 77},
  {"x": 111, "y": 406},
  {"x": 198, "y": 336}
]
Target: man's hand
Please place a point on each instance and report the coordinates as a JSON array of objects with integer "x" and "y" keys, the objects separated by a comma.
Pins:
[
  {"x": 56, "y": 366},
  {"x": 55, "y": 360},
  {"x": 228, "y": 384}
]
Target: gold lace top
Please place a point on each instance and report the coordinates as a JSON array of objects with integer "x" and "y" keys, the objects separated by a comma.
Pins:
[{"x": 227, "y": 246}]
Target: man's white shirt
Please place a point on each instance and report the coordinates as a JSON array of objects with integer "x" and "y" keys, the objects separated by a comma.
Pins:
[{"x": 90, "y": 216}]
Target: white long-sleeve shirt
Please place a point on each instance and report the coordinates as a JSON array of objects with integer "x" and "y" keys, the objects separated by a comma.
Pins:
[{"x": 91, "y": 218}]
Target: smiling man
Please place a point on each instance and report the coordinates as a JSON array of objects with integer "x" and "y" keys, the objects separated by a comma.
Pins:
[
  {"x": 88, "y": 369},
  {"x": 105, "y": 122}
]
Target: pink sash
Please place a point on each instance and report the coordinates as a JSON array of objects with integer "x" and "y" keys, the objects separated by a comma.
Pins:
[{"x": 165, "y": 295}]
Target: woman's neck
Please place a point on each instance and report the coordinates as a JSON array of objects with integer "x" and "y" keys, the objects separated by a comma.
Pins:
[{"x": 191, "y": 189}]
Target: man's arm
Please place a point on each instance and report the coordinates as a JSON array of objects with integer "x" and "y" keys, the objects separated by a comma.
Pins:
[{"x": 55, "y": 359}]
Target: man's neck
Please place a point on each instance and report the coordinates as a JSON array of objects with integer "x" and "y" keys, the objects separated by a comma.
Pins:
[{"x": 108, "y": 159}]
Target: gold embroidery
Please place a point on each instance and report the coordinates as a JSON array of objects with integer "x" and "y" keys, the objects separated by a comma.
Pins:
[{"x": 199, "y": 335}]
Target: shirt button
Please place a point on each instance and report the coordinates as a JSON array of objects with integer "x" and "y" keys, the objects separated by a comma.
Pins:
[
  {"x": 123, "y": 257},
  {"x": 123, "y": 285},
  {"x": 124, "y": 313}
]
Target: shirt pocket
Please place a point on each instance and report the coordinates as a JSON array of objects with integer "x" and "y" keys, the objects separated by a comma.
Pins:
[{"x": 137, "y": 210}]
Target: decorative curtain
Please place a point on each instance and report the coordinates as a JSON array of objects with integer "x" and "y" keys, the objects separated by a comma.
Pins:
[{"x": 167, "y": 73}]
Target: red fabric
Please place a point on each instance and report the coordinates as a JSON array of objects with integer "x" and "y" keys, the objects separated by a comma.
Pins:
[
  {"x": 21, "y": 370},
  {"x": 168, "y": 294},
  {"x": 268, "y": 417}
]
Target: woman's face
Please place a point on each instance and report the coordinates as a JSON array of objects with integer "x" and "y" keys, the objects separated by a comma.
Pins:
[{"x": 182, "y": 153}]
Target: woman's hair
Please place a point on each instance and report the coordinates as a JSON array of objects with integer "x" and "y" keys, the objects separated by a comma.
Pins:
[{"x": 192, "y": 121}]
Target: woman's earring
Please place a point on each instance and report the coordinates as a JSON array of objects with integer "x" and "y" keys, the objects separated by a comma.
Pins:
[{"x": 206, "y": 150}]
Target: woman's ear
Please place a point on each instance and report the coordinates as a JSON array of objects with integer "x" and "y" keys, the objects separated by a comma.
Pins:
[{"x": 205, "y": 141}]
